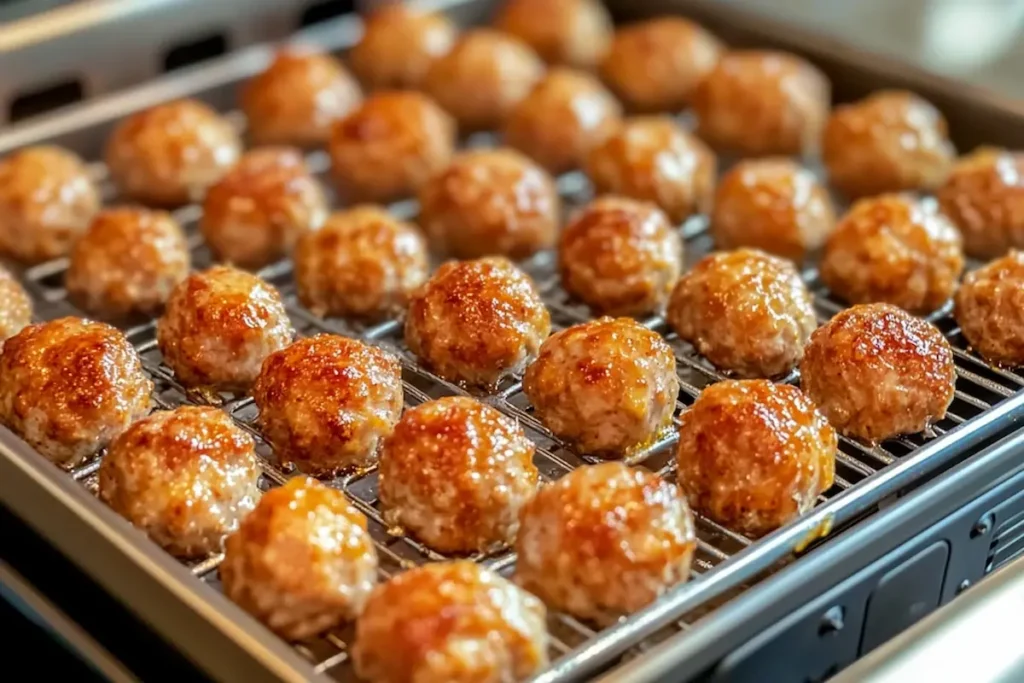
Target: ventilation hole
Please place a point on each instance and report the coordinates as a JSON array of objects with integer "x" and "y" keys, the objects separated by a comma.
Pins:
[
  {"x": 195, "y": 51},
  {"x": 46, "y": 99},
  {"x": 324, "y": 10}
]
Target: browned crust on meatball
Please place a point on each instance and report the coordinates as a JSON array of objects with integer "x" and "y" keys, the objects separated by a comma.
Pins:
[
  {"x": 572, "y": 32},
  {"x": 15, "y": 306},
  {"x": 990, "y": 309},
  {"x": 399, "y": 45}
]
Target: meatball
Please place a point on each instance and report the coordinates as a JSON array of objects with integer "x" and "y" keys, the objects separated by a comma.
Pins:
[
  {"x": 490, "y": 202},
  {"x": 477, "y": 321},
  {"x": 450, "y": 622},
  {"x": 128, "y": 261},
  {"x": 389, "y": 146},
  {"x": 984, "y": 196},
  {"x": 893, "y": 249},
  {"x": 326, "y": 402},
  {"x": 653, "y": 159},
  {"x": 69, "y": 386},
  {"x": 747, "y": 312},
  {"x": 399, "y": 45},
  {"x": 170, "y": 154},
  {"x": 484, "y": 76},
  {"x": 889, "y": 142},
  {"x": 185, "y": 477},
  {"x": 302, "y": 562},
  {"x": 876, "y": 371},
  {"x": 604, "y": 541},
  {"x": 257, "y": 212},
  {"x": 762, "y": 104},
  {"x": 754, "y": 455},
  {"x": 655, "y": 65},
  {"x": 47, "y": 200},
  {"x": 15, "y": 306},
  {"x": 362, "y": 263},
  {"x": 608, "y": 387},
  {"x": 572, "y": 32},
  {"x": 218, "y": 327},
  {"x": 297, "y": 98},
  {"x": 774, "y": 205},
  {"x": 562, "y": 118},
  {"x": 990, "y": 309},
  {"x": 455, "y": 473},
  {"x": 620, "y": 257}
]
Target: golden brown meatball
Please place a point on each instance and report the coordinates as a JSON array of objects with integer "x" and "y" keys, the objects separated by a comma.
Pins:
[
  {"x": 484, "y": 76},
  {"x": 256, "y": 213},
  {"x": 185, "y": 477},
  {"x": 69, "y": 386},
  {"x": 893, "y": 249},
  {"x": 990, "y": 309},
  {"x": 128, "y": 261},
  {"x": 326, "y": 402},
  {"x": 608, "y": 387},
  {"x": 302, "y": 562},
  {"x": 218, "y": 327},
  {"x": 562, "y": 118},
  {"x": 450, "y": 622},
  {"x": 15, "y": 306},
  {"x": 389, "y": 146},
  {"x": 653, "y": 159},
  {"x": 361, "y": 263},
  {"x": 490, "y": 202},
  {"x": 762, "y": 104},
  {"x": 620, "y": 257},
  {"x": 572, "y": 32},
  {"x": 754, "y": 455},
  {"x": 47, "y": 200},
  {"x": 889, "y": 142},
  {"x": 876, "y": 371},
  {"x": 455, "y": 474},
  {"x": 399, "y": 45},
  {"x": 984, "y": 196},
  {"x": 604, "y": 541},
  {"x": 170, "y": 154},
  {"x": 745, "y": 311},
  {"x": 477, "y": 321},
  {"x": 774, "y": 205},
  {"x": 655, "y": 65},
  {"x": 297, "y": 98}
]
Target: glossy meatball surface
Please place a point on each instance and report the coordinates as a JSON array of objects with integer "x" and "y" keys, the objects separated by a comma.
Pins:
[
  {"x": 893, "y": 249},
  {"x": 562, "y": 118},
  {"x": 361, "y": 263},
  {"x": 762, "y": 104},
  {"x": 572, "y": 32},
  {"x": 450, "y": 622},
  {"x": 15, "y": 306},
  {"x": 604, "y": 541},
  {"x": 990, "y": 309},
  {"x": 620, "y": 257},
  {"x": 302, "y": 562},
  {"x": 876, "y": 371},
  {"x": 326, "y": 402},
  {"x": 484, "y": 76},
  {"x": 47, "y": 201},
  {"x": 477, "y": 322},
  {"x": 171, "y": 153},
  {"x": 218, "y": 327},
  {"x": 747, "y": 312},
  {"x": 399, "y": 45},
  {"x": 655, "y": 65},
  {"x": 889, "y": 142},
  {"x": 185, "y": 477},
  {"x": 607, "y": 387},
  {"x": 389, "y": 146},
  {"x": 455, "y": 473},
  {"x": 128, "y": 261},
  {"x": 297, "y": 98},
  {"x": 69, "y": 386},
  {"x": 256, "y": 213},
  {"x": 754, "y": 455},
  {"x": 653, "y": 159},
  {"x": 984, "y": 197},
  {"x": 774, "y": 205},
  {"x": 490, "y": 202}
]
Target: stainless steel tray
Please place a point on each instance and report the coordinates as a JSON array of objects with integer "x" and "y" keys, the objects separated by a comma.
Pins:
[{"x": 229, "y": 644}]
